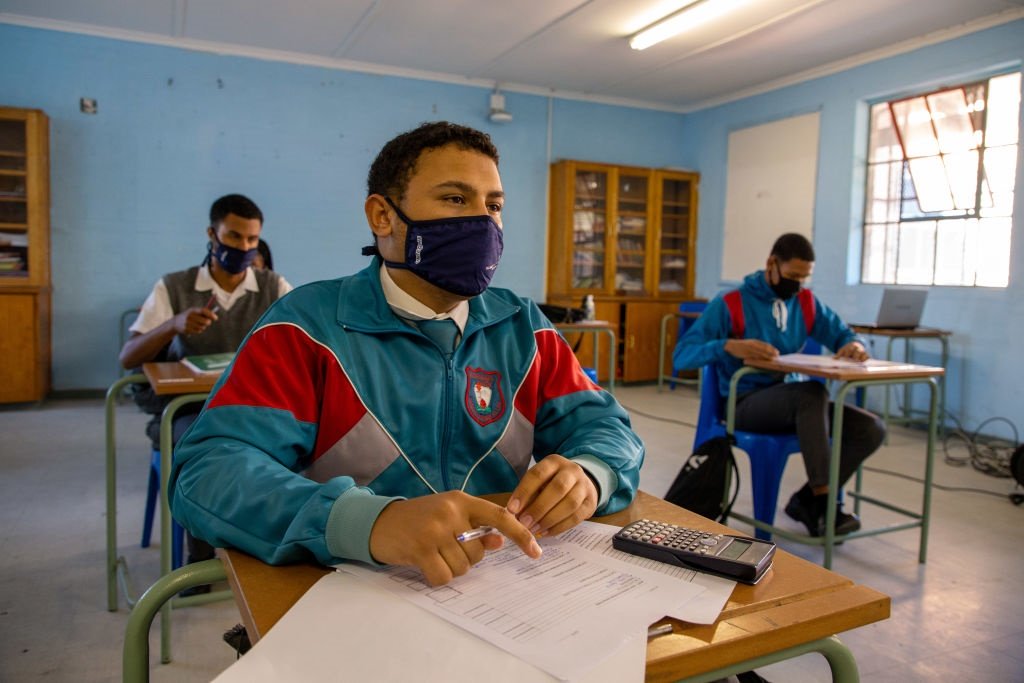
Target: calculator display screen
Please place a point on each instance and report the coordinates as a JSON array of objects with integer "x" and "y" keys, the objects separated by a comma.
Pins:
[{"x": 734, "y": 550}]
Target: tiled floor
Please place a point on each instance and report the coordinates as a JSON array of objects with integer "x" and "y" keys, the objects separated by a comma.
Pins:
[{"x": 958, "y": 618}]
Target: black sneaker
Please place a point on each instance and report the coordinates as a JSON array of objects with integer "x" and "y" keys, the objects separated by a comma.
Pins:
[
  {"x": 238, "y": 638},
  {"x": 810, "y": 510}
]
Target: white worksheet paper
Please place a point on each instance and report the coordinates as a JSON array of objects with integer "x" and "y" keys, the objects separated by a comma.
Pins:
[
  {"x": 808, "y": 360},
  {"x": 344, "y": 629},
  {"x": 702, "y": 608},
  {"x": 563, "y": 612}
]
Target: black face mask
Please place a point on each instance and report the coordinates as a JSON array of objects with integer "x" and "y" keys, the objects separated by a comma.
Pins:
[{"x": 785, "y": 288}]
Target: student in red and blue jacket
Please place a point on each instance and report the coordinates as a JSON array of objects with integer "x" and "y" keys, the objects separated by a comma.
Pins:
[{"x": 363, "y": 416}]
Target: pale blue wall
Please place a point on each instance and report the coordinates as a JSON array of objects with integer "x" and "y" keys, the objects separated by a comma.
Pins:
[
  {"x": 986, "y": 368},
  {"x": 132, "y": 185}
]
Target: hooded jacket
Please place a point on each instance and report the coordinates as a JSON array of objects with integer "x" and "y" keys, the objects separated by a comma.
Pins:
[{"x": 768, "y": 318}]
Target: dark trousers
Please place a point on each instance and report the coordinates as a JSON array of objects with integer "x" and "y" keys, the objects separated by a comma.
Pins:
[
  {"x": 198, "y": 549},
  {"x": 805, "y": 408}
]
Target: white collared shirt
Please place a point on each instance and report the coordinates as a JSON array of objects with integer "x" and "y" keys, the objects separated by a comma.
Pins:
[
  {"x": 157, "y": 308},
  {"x": 406, "y": 306}
]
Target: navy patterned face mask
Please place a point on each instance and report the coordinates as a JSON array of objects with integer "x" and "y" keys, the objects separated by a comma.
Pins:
[
  {"x": 231, "y": 259},
  {"x": 459, "y": 255}
]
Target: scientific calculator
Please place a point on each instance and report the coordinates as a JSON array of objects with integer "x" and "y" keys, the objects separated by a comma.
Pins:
[{"x": 740, "y": 558}]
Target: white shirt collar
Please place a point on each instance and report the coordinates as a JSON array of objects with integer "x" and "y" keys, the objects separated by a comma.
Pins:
[
  {"x": 407, "y": 306},
  {"x": 206, "y": 283}
]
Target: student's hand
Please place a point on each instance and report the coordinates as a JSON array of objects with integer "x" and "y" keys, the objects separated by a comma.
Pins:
[
  {"x": 753, "y": 349},
  {"x": 420, "y": 532},
  {"x": 853, "y": 351},
  {"x": 554, "y": 495},
  {"x": 194, "y": 320}
]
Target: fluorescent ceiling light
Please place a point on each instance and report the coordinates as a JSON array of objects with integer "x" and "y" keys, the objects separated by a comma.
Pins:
[{"x": 686, "y": 19}]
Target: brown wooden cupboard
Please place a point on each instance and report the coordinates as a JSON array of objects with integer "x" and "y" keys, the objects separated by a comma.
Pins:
[
  {"x": 24, "y": 255},
  {"x": 626, "y": 235}
]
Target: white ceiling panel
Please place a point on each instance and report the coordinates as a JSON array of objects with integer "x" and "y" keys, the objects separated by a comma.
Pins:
[{"x": 570, "y": 47}]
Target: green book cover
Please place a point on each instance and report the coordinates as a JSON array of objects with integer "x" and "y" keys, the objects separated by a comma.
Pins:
[{"x": 211, "y": 363}]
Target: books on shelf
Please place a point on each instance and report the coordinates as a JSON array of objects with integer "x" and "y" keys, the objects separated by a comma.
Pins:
[{"x": 208, "y": 364}]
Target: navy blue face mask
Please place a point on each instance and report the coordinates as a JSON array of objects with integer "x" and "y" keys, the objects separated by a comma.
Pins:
[
  {"x": 459, "y": 255},
  {"x": 232, "y": 260}
]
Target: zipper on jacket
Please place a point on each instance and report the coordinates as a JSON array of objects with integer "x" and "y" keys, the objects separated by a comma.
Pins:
[{"x": 446, "y": 422}]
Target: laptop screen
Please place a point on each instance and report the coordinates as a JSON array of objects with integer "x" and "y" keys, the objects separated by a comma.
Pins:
[{"x": 901, "y": 308}]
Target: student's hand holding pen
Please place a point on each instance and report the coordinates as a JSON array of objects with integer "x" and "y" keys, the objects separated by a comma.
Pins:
[
  {"x": 554, "y": 495},
  {"x": 422, "y": 532},
  {"x": 194, "y": 320}
]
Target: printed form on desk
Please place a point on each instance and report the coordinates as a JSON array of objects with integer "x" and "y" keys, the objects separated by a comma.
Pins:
[{"x": 581, "y": 604}]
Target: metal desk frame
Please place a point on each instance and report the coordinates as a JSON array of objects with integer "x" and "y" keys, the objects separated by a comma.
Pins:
[
  {"x": 662, "y": 347},
  {"x": 117, "y": 566},
  {"x": 920, "y": 519},
  {"x": 596, "y": 330}
]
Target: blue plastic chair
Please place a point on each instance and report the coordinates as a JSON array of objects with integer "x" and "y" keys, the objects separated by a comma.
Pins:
[
  {"x": 152, "y": 494},
  {"x": 768, "y": 453},
  {"x": 684, "y": 325}
]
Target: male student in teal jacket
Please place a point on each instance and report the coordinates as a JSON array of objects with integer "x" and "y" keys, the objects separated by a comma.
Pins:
[
  {"x": 771, "y": 313},
  {"x": 363, "y": 416}
]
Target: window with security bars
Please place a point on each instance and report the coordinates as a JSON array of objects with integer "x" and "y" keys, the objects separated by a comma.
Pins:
[{"x": 940, "y": 179}]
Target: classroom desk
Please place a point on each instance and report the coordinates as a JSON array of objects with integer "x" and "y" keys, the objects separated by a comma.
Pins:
[
  {"x": 851, "y": 379},
  {"x": 596, "y": 328},
  {"x": 908, "y": 337},
  {"x": 166, "y": 379},
  {"x": 798, "y": 607},
  {"x": 663, "y": 343}
]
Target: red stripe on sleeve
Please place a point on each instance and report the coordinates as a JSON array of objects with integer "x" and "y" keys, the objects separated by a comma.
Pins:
[
  {"x": 555, "y": 372},
  {"x": 281, "y": 367}
]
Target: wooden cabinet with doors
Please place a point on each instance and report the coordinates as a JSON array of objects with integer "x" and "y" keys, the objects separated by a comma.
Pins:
[
  {"x": 626, "y": 235},
  {"x": 24, "y": 255}
]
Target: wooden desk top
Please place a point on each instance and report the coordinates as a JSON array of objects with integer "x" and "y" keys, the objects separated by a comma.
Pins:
[
  {"x": 168, "y": 379},
  {"x": 895, "y": 372},
  {"x": 796, "y": 602},
  {"x": 900, "y": 332}
]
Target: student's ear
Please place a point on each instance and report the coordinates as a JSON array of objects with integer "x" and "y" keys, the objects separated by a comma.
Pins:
[{"x": 378, "y": 215}]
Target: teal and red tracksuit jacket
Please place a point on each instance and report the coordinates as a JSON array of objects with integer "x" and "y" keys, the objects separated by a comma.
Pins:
[{"x": 334, "y": 406}]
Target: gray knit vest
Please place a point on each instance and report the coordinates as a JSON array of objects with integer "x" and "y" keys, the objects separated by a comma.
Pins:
[{"x": 232, "y": 325}]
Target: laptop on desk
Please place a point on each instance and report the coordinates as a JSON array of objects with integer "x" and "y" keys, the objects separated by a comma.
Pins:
[{"x": 901, "y": 309}]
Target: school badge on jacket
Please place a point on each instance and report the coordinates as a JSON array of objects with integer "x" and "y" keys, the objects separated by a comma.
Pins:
[{"x": 485, "y": 401}]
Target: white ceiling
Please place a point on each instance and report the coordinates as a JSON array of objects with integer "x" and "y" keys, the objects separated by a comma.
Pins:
[{"x": 573, "y": 48}]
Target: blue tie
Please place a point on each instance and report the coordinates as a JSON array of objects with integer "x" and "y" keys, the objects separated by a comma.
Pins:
[{"x": 441, "y": 332}]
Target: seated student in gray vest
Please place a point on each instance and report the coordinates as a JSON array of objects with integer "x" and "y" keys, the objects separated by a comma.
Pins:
[{"x": 207, "y": 308}]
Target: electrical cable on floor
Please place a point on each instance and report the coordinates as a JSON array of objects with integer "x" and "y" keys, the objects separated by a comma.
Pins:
[
  {"x": 986, "y": 458},
  {"x": 987, "y": 455},
  {"x": 656, "y": 417}
]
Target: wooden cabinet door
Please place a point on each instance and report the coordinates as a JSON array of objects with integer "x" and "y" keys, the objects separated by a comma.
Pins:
[
  {"x": 19, "y": 349},
  {"x": 641, "y": 338}
]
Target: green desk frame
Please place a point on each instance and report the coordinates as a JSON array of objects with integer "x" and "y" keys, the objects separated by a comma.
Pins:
[
  {"x": 596, "y": 330},
  {"x": 919, "y": 519},
  {"x": 663, "y": 347},
  {"x": 135, "y": 656},
  {"x": 117, "y": 566},
  {"x": 909, "y": 336}
]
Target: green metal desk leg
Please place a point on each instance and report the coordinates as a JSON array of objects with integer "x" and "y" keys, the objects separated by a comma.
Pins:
[
  {"x": 661, "y": 350},
  {"x": 111, "y": 438},
  {"x": 135, "y": 658},
  {"x": 926, "y": 503},
  {"x": 840, "y": 661},
  {"x": 611, "y": 360},
  {"x": 166, "y": 451}
]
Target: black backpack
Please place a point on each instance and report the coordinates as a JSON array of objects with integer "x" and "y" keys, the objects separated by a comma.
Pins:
[{"x": 700, "y": 485}]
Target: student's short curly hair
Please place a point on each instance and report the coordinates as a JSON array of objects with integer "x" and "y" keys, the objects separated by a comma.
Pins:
[
  {"x": 390, "y": 172},
  {"x": 238, "y": 204},
  {"x": 793, "y": 245}
]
